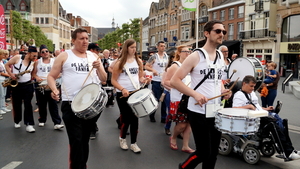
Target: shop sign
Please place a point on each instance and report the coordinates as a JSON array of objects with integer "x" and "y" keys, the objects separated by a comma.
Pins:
[{"x": 294, "y": 47}]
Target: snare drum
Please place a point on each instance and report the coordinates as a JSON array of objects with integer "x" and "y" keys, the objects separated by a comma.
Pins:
[
  {"x": 236, "y": 121},
  {"x": 89, "y": 101},
  {"x": 246, "y": 66},
  {"x": 143, "y": 102}
]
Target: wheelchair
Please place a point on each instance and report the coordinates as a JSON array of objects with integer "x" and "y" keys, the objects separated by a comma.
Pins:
[{"x": 266, "y": 141}]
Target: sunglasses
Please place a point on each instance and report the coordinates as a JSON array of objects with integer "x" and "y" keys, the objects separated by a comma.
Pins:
[
  {"x": 45, "y": 51},
  {"x": 186, "y": 51},
  {"x": 218, "y": 31}
]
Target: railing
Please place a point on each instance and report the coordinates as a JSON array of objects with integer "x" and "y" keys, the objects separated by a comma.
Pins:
[
  {"x": 230, "y": 17},
  {"x": 261, "y": 33},
  {"x": 240, "y": 15}
]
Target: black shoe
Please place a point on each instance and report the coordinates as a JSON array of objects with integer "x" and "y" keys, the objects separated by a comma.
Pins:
[
  {"x": 127, "y": 133},
  {"x": 93, "y": 136},
  {"x": 168, "y": 132},
  {"x": 152, "y": 120}
]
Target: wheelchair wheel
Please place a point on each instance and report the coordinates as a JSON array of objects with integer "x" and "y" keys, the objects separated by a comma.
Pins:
[
  {"x": 267, "y": 149},
  {"x": 251, "y": 155},
  {"x": 226, "y": 145}
]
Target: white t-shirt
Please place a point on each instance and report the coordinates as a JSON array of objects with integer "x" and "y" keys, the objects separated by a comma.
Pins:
[
  {"x": 208, "y": 87},
  {"x": 159, "y": 65},
  {"x": 74, "y": 72},
  {"x": 43, "y": 69},
  {"x": 124, "y": 79},
  {"x": 239, "y": 100}
]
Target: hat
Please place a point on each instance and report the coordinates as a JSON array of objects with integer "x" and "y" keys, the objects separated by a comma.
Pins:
[
  {"x": 43, "y": 47},
  {"x": 32, "y": 49},
  {"x": 93, "y": 46}
]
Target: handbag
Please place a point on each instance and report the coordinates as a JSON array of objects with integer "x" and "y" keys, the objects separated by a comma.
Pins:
[{"x": 183, "y": 103}]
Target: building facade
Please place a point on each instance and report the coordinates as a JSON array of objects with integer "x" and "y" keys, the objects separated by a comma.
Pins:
[{"x": 288, "y": 36}]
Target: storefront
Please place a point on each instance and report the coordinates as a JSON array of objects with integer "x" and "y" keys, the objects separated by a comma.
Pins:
[
  {"x": 290, "y": 46},
  {"x": 289, "y": 58}
]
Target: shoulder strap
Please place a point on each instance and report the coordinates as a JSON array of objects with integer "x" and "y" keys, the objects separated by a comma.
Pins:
[
  {"x": 207, "y": 73},
  {"x": 250, "y": 101}
]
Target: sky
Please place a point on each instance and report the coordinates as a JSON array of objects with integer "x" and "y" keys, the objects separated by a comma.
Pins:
[{"x": 99, "y": 13}]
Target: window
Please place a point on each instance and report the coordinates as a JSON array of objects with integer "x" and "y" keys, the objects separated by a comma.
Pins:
[
  {"x": 250, "y": 50},
  {"x": 252, "y": 25},
  {"x": 259, "y": 50},
  {"x": 266, "y": 19},
  {"x": 22, "y": 6},
  {"x": 222, "y": 17},
  {"x": 231, "y": 31},
  {"x": 46, "y": 20},
  {"x": 7, "y": 24},
  {"x": 214, "y": 15},
  {"x": 37, "y": 20},
  {"x": 268, "y": 50},
  {"x": 42, "y": 20},
  {"x": 9, "y": 6},
  {"x": 240, "y": 27},
  {"x": 185, "y": 33},
  {"x": 186, "y": 15},
  {"x": 231, "y": 14},
  {"x": 203, "y": 11},
  {"x": 241, "y": 12},
  {"x": 290, "y": 29},
  {"x": 201, "y": 30}
]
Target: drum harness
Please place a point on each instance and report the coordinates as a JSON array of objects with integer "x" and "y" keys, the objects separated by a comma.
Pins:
[{"x": 215, "y": 67}]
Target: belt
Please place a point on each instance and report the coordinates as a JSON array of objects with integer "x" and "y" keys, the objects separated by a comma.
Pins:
[{"x": 25, "y": 83}]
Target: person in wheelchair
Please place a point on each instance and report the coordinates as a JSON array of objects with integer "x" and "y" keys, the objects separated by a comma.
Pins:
[{"x": 247, "y": 99}]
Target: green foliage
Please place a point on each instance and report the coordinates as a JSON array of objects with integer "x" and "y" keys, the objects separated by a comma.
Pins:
[{"x": 120, "y": 35}]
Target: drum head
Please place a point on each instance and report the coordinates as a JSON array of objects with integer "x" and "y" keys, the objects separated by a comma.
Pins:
[
  {"x": 234, "y": 112},
  {"x": 85, "y": 97},
  {"x": 138, "y": 96},
  {"x": 44, "y": 82},
  {"x": 242, "y": 67}
]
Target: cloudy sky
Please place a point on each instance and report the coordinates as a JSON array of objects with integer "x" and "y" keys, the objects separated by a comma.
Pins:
[{"x": 99, "y": 13}]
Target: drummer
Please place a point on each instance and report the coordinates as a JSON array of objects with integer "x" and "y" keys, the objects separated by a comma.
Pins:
[
  {"x": 41, "y": 70},
  {"x": 94, "y": 48},
  {"x": 247, "y": 99},
  {"x": 126, "y": 76},
  {"x": 77, "y": 66}
]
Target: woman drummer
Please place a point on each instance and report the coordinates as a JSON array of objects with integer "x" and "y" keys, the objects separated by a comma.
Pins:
[{"x": 126, "y": 76}]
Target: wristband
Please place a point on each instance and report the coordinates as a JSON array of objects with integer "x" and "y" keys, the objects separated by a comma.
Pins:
[{"x": 122, "y": 89}]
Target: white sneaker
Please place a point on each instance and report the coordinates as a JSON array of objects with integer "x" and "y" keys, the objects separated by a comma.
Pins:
[
  {"x": 2, "y": 112},
  {"x": 17, "y": 125},
  {"x": 41, "y": 124},
  {"x": 123, "y": 144},
  {"x": 294, "y": 156},
  {"x": 1, "y": 117},
  {"x": 6, "y": 109},
  {"x": 30, "y": 129},
  {"x": 58, "y": 126},
  {"x": 135, "y": 148},
  {"x": 297, "y": 152}
]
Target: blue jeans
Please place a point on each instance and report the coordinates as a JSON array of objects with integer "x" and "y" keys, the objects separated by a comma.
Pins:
[
  {"x": 269, "y": 100},
  {"x": 157, "y": 91},
  {"x": 167, "y": 104}
]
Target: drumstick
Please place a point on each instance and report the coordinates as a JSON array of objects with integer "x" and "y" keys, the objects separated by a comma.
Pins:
[
  {"x": 135, "y": 90},
  {"x": 233, "y": 72},
  {"x": 89, "y": 73},
  {"x": 224, "y": 94}
]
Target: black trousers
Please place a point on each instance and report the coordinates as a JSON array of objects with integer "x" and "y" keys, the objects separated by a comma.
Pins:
[
  {"x": 79, "y": 135},
  {"x": 22, "y": 92},
  {"x": 128, "y": 118},
  {"x": 207, "y": 140},
  {"x": 44, "y": 99}
]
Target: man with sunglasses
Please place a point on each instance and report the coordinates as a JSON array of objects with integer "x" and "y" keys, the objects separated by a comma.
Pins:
[
  {"x": 206, "y": 66},
  {"x": 24, "y": 90},
  {"x": 42, "y": 68}
]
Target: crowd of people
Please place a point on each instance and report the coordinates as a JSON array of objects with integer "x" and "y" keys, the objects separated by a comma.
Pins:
[{"x": 120, "y": 72}]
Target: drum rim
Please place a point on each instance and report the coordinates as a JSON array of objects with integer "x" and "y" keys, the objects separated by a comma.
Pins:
[
  {"x": 128, "y": 101},
  {"x": 73, "y": 104}
]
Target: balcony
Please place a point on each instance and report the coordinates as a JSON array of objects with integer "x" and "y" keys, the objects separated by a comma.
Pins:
[{"x": 258, "y": 33}]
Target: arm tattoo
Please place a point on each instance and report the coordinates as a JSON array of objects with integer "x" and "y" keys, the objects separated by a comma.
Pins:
[{"x": 151, "y": 59}]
